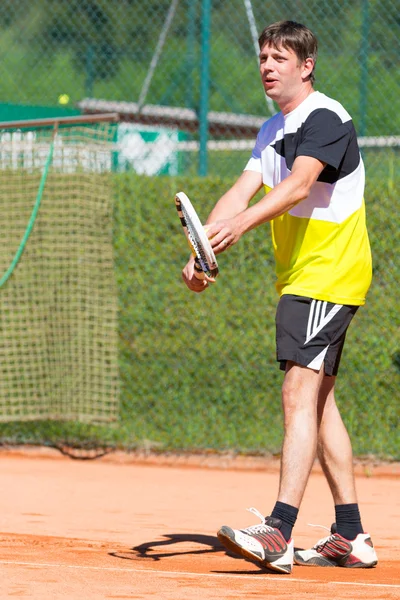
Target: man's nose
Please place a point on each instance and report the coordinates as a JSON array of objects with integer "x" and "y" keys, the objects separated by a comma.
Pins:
[{"x": 267, "y": 65}]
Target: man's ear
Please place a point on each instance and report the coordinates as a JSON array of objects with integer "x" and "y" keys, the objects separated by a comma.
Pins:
[{"x": 308, "y": 67}]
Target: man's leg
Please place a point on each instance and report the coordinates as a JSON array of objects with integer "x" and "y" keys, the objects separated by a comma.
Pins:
[
  {"x": 347, "y": 546},
  {"x": 300, "y": 393},
  {"x": 334, "y": 446},
  {"x": 336, "y": 458},
  {"x": 270, "y": 543}
]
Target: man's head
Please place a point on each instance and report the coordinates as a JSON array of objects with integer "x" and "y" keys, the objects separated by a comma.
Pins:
[
  {"x": 288, "y": 52},
  {"x": 291, "y": 36}
]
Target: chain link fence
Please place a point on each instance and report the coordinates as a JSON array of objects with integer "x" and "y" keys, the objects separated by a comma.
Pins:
[{"x": 184, "y": 73}]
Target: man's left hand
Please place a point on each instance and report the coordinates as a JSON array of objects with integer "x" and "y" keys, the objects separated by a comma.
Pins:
[{"x": 223, "y": 234}]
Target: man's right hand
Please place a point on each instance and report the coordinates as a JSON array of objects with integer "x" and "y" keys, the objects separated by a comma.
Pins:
[{"x": 194, "y": 283}]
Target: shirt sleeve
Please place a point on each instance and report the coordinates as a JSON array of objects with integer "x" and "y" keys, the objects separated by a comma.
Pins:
[
  {"x": 324, "y": 136},
  {"x": 254, "y": 163}
]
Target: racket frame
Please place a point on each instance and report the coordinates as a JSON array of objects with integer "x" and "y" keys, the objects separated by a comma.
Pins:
[{"x": 205, "y": 261}]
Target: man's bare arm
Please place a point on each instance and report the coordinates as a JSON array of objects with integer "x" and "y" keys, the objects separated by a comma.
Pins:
[
  {"x": 232, "y": 203},
  {"x": 292, "y": 190},
  {"x": 237, "y": 198}
]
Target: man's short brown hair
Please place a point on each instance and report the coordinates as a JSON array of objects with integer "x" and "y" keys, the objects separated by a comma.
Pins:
[{"x": 293, "y": 36}]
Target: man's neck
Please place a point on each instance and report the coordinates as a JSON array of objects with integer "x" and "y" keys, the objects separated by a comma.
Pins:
[{"x": 290, "y": 105}]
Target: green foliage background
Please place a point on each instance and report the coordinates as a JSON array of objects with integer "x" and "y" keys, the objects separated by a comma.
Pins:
[
  {"x": 198, "y": 372},
  {"x": 103, "y": 49}
]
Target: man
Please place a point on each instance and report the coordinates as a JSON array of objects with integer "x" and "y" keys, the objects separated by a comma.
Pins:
[{"x": 308, "y": 161}]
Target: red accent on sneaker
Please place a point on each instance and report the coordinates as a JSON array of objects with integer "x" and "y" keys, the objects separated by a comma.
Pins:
[
  {"x": 352, "y": 560},
  {"x": 272, "y": 541},
  {"x": 335, "y": 547}
]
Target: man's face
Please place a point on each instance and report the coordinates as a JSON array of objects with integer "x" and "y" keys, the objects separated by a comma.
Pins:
[{"x": 281, "y": 73}]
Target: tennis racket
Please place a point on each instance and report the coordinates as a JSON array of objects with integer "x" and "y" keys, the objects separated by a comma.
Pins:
[{"x": 205, "y": 261}]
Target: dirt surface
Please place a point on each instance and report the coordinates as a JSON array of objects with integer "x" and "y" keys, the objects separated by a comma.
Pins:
[{"x": 128, "y": 526}]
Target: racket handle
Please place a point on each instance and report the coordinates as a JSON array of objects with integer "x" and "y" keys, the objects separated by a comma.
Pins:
[{"x": 198, "y": 271}]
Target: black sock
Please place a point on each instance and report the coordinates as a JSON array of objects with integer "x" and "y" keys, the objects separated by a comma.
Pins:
[
  {"x": 348, "y": 520},
  {"x": 288, "y": 515}
]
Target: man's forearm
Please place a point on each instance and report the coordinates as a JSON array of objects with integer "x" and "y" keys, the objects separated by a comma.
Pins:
[
  {"x": 237, "y": 198},
  {"x": 285, "y": 196},
  {"x": 228, "y": 206},
  {"x": 232, "y": 217}
]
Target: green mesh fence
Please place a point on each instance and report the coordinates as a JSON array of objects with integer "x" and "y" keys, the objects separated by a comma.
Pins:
[
  {"x": 58, "y": 347},
  {"x": 186, "y": 70}
]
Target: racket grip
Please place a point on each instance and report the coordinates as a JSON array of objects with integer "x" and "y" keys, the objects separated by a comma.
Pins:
[{"x": 198, "y": 271}]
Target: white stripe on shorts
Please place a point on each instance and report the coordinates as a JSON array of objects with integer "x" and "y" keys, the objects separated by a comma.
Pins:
[
  {"x": 310, "y": 318},
  {"x": 316, "y": 363},
  {"x": 317, "y": 318}
]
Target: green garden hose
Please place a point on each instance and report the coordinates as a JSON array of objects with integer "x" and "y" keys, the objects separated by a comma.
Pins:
[{"x": 33, "y": 216}]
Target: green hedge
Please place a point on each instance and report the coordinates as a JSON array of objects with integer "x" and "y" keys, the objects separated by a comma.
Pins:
[{"x": 198, "y": 372}]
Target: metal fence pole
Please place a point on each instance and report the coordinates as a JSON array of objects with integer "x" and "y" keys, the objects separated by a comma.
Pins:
[
  {"x": 191, "y": 44},
  {"x": 364, "y": 68},
  {"x": 204, "y": 84}
]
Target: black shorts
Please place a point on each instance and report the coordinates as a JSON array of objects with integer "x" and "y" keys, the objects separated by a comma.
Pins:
[{"x": 311, "y": 332}]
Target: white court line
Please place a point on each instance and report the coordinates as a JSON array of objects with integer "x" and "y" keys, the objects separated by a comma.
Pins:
[{"x": 274, "y": 578}]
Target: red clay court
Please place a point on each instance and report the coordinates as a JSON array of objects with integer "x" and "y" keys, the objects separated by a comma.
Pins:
[{"x": 145, "y": 527}]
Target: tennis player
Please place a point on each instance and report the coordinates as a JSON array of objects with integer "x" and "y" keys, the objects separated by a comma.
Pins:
[{"x": 307, "y": 159}]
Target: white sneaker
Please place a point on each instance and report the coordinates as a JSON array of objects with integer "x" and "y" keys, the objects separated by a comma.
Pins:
[
  {"x": 263, "y": 543},
  {"x": 336, "y": 551}
]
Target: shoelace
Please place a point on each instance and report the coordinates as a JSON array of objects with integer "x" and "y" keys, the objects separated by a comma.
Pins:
[
  {"x": 322, "y": 541},
  {"x": 258, "y": 528}
]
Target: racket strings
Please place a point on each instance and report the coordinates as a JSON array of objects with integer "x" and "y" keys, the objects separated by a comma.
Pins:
[{"x": 196, "y": 243}]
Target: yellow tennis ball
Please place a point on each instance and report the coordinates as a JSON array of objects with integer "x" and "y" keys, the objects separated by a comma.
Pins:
[{"x": 63, "y": 99}]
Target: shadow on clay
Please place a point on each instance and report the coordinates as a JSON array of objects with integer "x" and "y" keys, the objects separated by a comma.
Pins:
[
  {"x": 157, "y": 550},
  {"x": 169, "y": 547}
]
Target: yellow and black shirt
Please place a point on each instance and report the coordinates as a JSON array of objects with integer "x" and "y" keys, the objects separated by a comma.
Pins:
[{"x": 321, "y": 245}]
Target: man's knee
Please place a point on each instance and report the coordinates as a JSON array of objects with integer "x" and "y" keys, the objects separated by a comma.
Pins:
[{"x": 300, "y": 388}]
